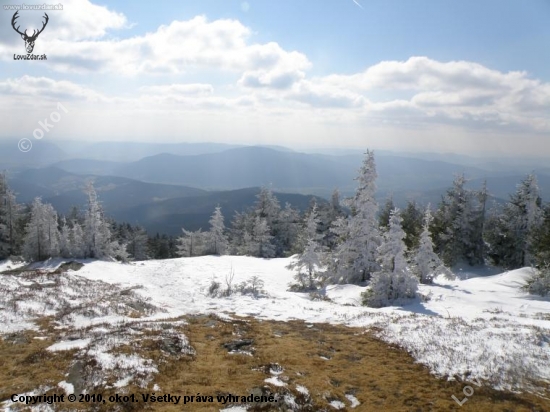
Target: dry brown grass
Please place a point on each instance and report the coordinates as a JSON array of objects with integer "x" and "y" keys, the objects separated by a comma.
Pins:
[
  {"x": 383, "y": 378},
  {"x": 25, "y": 364}
]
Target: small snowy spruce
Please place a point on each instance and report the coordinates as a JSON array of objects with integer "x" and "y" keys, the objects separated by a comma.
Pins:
[
  {"x": 427, "y": 263},
  {"x": 309, "y": 261},
  {"x": 393, "y": 284}
]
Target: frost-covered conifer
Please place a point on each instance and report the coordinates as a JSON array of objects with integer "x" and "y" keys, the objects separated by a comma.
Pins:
[
  {"x": 10, "y": 235},
  {"x": 458, "y": 224},
  {"x": 427, "y": 263},
  {"x": 511, "y": 234},
  {"x": 259, "y": 242},
  {"x": 78, "y": 246},
  {"x": 138, "y": 244},
  {"x": 41, "y": 239},
  {"x": 393, "y": 283},
  {"x": 191, "y": 243},
  {"x": 217, "y": 236},
  {"x": 267, "y": 207},
  {"x": 356, "y": 256},
  {"x": 65, "y": 248},
  {"x": 289, "y": 228},
  {"x": 309, "y": 261},
  {"x": 97, "y": 235}
]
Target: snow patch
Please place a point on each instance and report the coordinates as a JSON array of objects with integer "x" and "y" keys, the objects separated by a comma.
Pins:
[
  {"x": 337, "y": 404},
  {"x": 67, "y": 387},
  {"x": 274, "y": 380},
  {"x": 69, "y": 345},
  {"x": 353, "y": 401},
  {"x": 302, "y": 389}
]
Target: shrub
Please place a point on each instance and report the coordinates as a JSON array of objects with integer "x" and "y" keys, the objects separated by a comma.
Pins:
[
  {"x": 253, "y": 286},
  {"x": 214, "y": 288},
  {"x": 539, "y": 283}
]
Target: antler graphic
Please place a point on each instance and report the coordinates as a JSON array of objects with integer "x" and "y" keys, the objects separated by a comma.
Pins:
[
  {"x": 15, "y": 17},
  {"x": 47, "y": 19},
  {"x": 29, "y": 40}
]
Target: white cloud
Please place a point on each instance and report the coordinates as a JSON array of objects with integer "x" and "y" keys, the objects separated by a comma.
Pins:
[
  {"x": 36, "y": 93},
  {"x": 38, "y": 88},
  {"x": 195, "y": 89},
  {"x": 175, "y": 48},
  {"x": 79, "y": 20},
  {"x": 441, "y": 92},
  {"x": 289, "y": 70},
  {"x": 317, "y": 94},
  {"x": 422, "y": 73},
  {"x": 273, "y": 79},
  {"x": 261, "y": 84}
]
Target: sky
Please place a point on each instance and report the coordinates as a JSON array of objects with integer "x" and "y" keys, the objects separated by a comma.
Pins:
[{"x": 427, "y": 75}]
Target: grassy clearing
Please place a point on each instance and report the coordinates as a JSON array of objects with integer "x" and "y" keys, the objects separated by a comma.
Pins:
[
  {"x": 26, "y": 365},
  {"x": 330, "y": 361}
]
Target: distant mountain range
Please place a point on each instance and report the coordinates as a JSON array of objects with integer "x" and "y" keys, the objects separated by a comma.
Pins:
[
  {"x": 64, "y": 190},
  {"x": 132, "y": 151},
  {"x": 46, "y": 152},
  {"x": 181, "y": 187},
  {"x": 193, "y": 213},
  {"x": 399, "y": 176},
  {"x": 42, "y": 153},
  {"x": 157, "y": 207}
]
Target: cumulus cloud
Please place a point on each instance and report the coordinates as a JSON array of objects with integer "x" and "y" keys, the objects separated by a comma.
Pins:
[
  {"x": 176, "y": 48},
  {"x": 29, "y": 90},
  {"x": 195, "y": 89},
  {"x": 506, "y": 101},
  {"x": 38, "y": 88},
  {"x": 288, "y": 70},
  {"x": 432, "y": 92},
  {"x": 264, "y": 77},
  {"x": 274, "y": 79},
  {"x": 440, "y": 92},
  {"x": 317, "y": 94},
  {"x": 422, "y": 73},
  {"x": 79, "y": 20}
]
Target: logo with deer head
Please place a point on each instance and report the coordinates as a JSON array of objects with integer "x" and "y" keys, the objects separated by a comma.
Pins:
[{"x": 29, "y": 40}]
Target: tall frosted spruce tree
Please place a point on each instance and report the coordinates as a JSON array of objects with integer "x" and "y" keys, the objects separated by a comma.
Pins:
[
  {"x": 217, "y": 236},
  {"x": 41, "y": 239},
  {"x": 97, "y": 235},
  {"x": 10, "y": 211},
  {"x": 458, "y": 224},
  {"x": 512, "y": 234},
  {"x": 355, "y": 257},
  {"x": 427, "y": 264}
]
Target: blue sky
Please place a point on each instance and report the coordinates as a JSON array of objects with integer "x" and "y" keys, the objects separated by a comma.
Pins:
[
  {"x": 461, "y": 76},
  {"x": 338, "y": 36}
]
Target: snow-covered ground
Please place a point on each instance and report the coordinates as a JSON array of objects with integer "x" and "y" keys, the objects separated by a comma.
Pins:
[{"x": 478, "y": 328}]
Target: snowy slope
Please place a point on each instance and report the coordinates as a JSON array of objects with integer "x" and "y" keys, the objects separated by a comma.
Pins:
[
  {"x": 180, "y": 286},
  {"x": 484, "y": 327},
  {"x": 481, "y": 328},
  {"x": 498, "y": 295}
]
